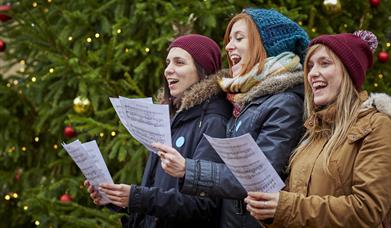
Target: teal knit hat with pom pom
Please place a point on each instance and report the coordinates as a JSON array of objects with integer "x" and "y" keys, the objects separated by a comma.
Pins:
[{"x": 279, "y": 33}]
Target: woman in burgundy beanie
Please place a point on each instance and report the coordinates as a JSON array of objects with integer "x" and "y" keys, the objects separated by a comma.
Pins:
[
  {"x": 355, "y": 53},
  {"x": 198, "y": 106},
  {"x": 340, "y": 172},
  {"x": 204, "y": 51}
]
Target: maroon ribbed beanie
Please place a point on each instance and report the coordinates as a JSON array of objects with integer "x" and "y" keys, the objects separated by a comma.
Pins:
[
  {"x": 354, "y": 50},
  {"x": 204, "y": 51}
]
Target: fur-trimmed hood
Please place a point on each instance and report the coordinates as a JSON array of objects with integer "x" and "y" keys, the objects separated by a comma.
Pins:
[
  {"x": 200, "y": 92},
  {"x": 380, "y": 101}
]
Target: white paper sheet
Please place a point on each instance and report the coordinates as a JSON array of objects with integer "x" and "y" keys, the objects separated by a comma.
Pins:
[
  {"x": 145, "y": 121},
  {"x": 248, "y": 163},
  {"x": 88, "y": 158}
]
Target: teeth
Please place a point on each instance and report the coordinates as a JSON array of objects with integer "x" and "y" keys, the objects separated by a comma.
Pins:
[
  {"x": 172, "y": 81},
  {"x": 318, "y": 85},
  {"x": 235, "y": 58}
]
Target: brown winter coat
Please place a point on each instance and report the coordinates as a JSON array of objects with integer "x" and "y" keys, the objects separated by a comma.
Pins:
[{"x": 358, "y": 193}]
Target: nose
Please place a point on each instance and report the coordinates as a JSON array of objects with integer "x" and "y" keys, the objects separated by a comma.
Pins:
[
  {"x": 230, "y": 46},
  {"x": 169, "y": 70},
  {"x": 314, "y": 72}
]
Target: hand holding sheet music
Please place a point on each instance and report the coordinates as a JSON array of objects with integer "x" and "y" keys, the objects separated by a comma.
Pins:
[
  {"x": 90, "y": 161},
  {"x": 248, "y": 163}
]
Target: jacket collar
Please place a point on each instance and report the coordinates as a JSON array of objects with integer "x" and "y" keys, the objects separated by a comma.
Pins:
[
  {"x": 200, "y": 99},
  {"x": 324, "y": 118},
  {"x": 376, "y": 102},
  {"x": 322, "y": 121}
]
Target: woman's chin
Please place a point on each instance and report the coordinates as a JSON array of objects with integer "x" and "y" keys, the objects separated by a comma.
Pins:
[
  {"x": 236, "y": 70},
  {"x": 235, "y": 73}
]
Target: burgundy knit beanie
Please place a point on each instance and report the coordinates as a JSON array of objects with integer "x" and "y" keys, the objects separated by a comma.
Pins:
[
  {"x": 354, "y": 50},
  {"x": 204, "y": 51}
]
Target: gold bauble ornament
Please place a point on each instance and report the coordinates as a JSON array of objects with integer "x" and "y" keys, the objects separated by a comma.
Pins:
[
  {"x": 81, "y": 105},
  {"x": 332, "y": 6}
]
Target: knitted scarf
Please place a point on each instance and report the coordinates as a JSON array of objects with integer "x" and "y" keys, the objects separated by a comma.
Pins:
[{"x": 238, "y": 87}]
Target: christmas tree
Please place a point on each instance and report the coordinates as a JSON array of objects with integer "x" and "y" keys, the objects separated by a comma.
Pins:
[{"x": 62, "y": 60}]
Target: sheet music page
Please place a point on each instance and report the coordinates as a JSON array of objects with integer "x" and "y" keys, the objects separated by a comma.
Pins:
[
  {"x": 248, "y": 163},
  {"x": 147, "y": 122},
  {"x": 121, "y": 114},
  {"x": 88, "y": 158}
]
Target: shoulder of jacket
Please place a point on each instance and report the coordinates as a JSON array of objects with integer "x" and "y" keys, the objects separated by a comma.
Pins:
[
  {"x": 284, "y": 100},
  {"x": 367, "y": 123},
  {"x": 374, "y": 112}
]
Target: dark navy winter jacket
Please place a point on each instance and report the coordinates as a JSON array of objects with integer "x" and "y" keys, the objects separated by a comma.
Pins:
[
  {"x": 158, "y": 202},
  {"x": 275, "y": 121}
]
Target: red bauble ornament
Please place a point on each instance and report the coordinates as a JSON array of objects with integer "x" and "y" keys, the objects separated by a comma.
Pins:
[
  {"x": 65, "y": 198},
  {"x": 4, "y": 9},
  {"x": 69, "y": 132},
  {"x": 382, "y": 56},
  {"x": 2, "y": 45},
  {"x": 4, "y": 17},
  {"x": 375, "y": 3}
]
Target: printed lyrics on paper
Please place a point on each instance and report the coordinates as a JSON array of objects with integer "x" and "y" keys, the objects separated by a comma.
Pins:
[{"x": 247, "y": 163}]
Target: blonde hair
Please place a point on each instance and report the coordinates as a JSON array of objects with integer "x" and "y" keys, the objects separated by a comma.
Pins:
[
  {"x": 257, "y": 53},
  {"x": 347, "y": 103}
]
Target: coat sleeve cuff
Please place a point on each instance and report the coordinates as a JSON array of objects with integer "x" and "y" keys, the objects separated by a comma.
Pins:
[
  {"x": 135, "y": 199},
  {"x": 200, "y": 177},
  {"x": 188, "y": 185},
  {"x": 284, "y": 208}
]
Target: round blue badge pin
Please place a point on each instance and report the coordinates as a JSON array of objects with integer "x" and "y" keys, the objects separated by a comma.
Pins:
[{"x": 180, "y": 141}]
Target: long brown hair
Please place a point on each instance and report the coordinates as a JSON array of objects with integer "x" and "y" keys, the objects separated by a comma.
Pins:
[
  {"x": 257, "y": 53},
  {"x": 347, "y": 103}
]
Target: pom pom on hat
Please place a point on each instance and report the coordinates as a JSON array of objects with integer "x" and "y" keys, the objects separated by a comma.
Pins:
[
  {"x": 369, "y": 37},
  {"x": 354, "y": 50}
]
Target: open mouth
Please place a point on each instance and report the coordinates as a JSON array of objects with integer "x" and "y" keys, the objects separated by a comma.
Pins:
[
  {"x": 172, "y": 81},
  {"x": 235, "y": 59},
  {"x": 317, "y": 86}
]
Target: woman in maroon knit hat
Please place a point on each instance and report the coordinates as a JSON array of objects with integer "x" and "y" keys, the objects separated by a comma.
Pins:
[
  {"x": 197, "y": 106},
  {"x": 340, "y": 173}
]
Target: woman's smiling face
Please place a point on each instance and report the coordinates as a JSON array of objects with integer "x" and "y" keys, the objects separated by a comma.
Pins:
[
  {"x": 180, "y": 72},
  {"x": 324, "y": 76},
  {"x": 238, "y": 46}
]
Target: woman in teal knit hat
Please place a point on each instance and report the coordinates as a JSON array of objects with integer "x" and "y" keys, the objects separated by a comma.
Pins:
[{"x": 265, "y": 84}]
